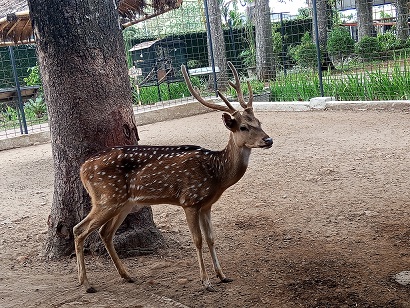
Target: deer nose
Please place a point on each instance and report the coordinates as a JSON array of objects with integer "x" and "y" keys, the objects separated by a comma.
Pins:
[{"x": 268, "y": 141}]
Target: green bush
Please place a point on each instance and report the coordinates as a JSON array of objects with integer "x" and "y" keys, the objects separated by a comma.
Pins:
[
  {"x": 277, "y": 45},
  {"x": 339, "y": 43},
  {"x": 35, "y": 108},
  {"x": 149, "y": 95},
  {"x": 305, "y": 53},
  {"x": 33, "y": 79},
  {"x": 388, "y": 41},
  {"x": 368, "y": 48},
  {"x": 248, "y": 57}
]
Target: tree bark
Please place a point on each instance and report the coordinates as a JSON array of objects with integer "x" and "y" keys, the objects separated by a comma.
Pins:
[
  {"x": 265, "y": 60},
  {"x": 87, "y": 90},
  {"x": 323, "y": 12},
  {"x": 218, "y": 44},
  {"x": 365, "y": 26},
  {"x": 402, "y": 15}
]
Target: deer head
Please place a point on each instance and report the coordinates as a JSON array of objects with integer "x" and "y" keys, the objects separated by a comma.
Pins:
[{"x": 245, "y": 127}]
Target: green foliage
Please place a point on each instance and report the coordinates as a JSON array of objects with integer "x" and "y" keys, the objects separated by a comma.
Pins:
[
  {"x": 257, "y": 86},
  {"x": 303, "y": 13},
  {"x": 149, "y": 95},
  {"x": 277, "y": 43},
  {"x": 248, "y": 57},
  {"x": 35, "y": 108},
  {"x": 10, "y": 114},
  {"x": 388, "y": 41},
  {"x": 295, "y": 87},
  {"x": 194, "y": 63},
  {"x": 368, "y": 48},
  {"x": 33, "y": 79},
  {"x": 384, "y": 14},
  {"x": 383, "y": 84},
  {"x": 236, "y": 19},
  {"x": 304, "y": 54},
  {"x": 339, "y": 43},
  {"x": 378, "y": 85}
]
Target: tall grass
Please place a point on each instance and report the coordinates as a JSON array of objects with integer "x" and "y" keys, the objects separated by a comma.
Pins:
[
  {"x": 299, "y": 86},
  {"x": 149, "y": 95},
  {"x": 385, "y": 83},
  {"x": 378, "y": 85},
  {"x": 390, "y": 81}
]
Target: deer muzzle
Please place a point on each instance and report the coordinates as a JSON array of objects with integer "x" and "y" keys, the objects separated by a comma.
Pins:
[{"x": 268, "y": 142}]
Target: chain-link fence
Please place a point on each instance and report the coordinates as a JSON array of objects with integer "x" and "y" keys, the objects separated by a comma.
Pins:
[
  {"x": 22, "y": 108},
  {"x": 321, "y": 49}
]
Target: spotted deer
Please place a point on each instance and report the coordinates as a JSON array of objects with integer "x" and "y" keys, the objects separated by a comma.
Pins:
[{"x": 121, "y": 179}]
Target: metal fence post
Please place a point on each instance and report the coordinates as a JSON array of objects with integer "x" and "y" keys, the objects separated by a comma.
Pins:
[{"x": 23, "y": 123}]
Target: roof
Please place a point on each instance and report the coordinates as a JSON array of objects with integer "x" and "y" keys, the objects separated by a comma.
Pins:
[
  {"x": 163, "y": 42},
  {"x": 15, "y": 24},
  {"x": 143, "y": 45}
]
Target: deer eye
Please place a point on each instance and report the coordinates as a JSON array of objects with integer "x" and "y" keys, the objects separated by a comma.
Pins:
[{"x": 243, "y": 128}]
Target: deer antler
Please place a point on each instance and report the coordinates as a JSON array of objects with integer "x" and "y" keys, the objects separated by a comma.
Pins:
[
  {"x": 237, "y": 87},
  {"x": 228, "y": 108}
]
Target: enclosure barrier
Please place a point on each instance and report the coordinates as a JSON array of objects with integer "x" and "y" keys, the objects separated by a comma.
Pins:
[{"x": 331, "y": 50}]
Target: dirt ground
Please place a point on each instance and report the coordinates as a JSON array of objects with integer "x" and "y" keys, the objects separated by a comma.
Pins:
[{"x": 319, "y": 220}]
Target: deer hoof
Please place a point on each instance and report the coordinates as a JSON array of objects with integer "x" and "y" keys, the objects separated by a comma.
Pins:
[
  {"x": 90, "y": 290},
  {"x": 130, "y": 280},
  {"x": 210, "y": 288},
  {"x": 226, "y": 280}
]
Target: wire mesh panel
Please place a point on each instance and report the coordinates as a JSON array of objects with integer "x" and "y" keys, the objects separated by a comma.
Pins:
[
  {"x": 351, "y": 50},
  {"x": 359, "y": 57},
  {"x": 363, "y": 52},
  {"x": 22, "y": 108}
]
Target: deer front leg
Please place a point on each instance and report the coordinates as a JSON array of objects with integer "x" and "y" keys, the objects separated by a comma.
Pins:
[
  {"x": 107, "y": 232},
  {"x": 192, "y": 217},
  {"x": 95, "y": 219},
  {"x": 81, "y": 231},
  {"x": 206, "y": 224}
]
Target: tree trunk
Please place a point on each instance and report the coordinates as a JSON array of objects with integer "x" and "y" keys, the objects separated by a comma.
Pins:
[
  {"x": 87, "y": 90},
  {"x": 218, "y": 43},
  {"x": 323, "y": 12},
  {"x": 365, "y": 26},
  {"x": 402, "y": 13},
  {"x": 265, "y": 61}
]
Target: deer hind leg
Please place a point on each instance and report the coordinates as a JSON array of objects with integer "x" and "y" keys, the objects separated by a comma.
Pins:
[
  {"x": 91, "y": 222},
  {"x": 192, "y": 217},
  {"x": 107, "y": 232},
  {"x": 206, "y": 224}
]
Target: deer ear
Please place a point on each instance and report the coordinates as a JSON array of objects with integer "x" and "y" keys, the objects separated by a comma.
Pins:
[{"x": 229, "y": 122}]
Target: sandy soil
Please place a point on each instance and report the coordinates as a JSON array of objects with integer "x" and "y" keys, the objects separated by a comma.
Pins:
[{"x": 319, "y": 220}]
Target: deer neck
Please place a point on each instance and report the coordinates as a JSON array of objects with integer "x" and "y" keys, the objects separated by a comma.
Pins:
[{"x": 235, "y": 160}]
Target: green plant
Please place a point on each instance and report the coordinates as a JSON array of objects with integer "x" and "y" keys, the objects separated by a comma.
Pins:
[
  {"x": 257, "y": 86},
  {"x": 388, "y": 41},
  {"x": 248, "y": 57},
  {"x": 277, "y": 45},
  {"x": 33, "y": 79},
  {"x": 295, "y": 87},
  {"x": 339, "y": 43},
  {"x": 194, "y": 63},
  {"x": 36, "y": 107},
  {"x": 10, "y": 114},
  {"x": 368, "y": 48},
  {"x": 304, "y": 54},
  {"x": 149, "y": 95}
]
